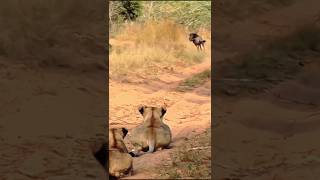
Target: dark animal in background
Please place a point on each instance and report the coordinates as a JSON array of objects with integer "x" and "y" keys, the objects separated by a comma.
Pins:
[{"x": 197, "y": 40}]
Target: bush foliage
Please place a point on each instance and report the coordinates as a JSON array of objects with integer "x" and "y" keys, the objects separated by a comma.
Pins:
[{"x": 192, "y": 14}]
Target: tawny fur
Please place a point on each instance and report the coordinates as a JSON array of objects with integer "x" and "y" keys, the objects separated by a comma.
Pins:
[
  {"x": 120, "y": 162},
  {"x": 153, "y": 133}
]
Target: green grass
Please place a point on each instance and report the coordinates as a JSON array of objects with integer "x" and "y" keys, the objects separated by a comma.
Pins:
[{"x": 195, "y": 81}]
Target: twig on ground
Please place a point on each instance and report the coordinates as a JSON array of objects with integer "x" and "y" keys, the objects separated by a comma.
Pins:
[{"x": 197, "y": 148}]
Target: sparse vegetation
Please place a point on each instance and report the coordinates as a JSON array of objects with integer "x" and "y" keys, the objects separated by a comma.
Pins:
[
  {"x": 193, "y": 160},
  {"x": 195, "y": 80}
]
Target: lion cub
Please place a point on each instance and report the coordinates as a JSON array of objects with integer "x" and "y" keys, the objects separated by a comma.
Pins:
[
  {"x": 120, "y": 161},
  {"x": 152, "y": 133}
]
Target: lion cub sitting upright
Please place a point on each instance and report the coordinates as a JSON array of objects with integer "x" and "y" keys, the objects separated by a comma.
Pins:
[
  {"x": 120, "y": 161},
  {"x": 152, "y": 133}
]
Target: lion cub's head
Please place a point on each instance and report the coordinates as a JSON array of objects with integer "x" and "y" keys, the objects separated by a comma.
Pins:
[
  {"x": 120, "y": 162},
  {"x": 153, "y": 116},
  {"x": 116, "y": 136}
]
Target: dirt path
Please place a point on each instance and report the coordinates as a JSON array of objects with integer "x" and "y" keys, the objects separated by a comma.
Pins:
[{"x": 189, "y": 113}]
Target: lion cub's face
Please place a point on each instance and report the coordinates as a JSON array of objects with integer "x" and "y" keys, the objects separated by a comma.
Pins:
[{"x": 116, "y": 136}]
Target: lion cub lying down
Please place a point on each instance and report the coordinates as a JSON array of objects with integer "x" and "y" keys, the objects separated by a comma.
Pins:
[
  {"x": 120, "y": 161},
  {"x": 152, "y": 133}
]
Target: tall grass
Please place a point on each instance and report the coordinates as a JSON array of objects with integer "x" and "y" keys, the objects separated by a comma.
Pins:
[
  {"x": 192, "y": 14},
  {"x": 146, "y": 48}
]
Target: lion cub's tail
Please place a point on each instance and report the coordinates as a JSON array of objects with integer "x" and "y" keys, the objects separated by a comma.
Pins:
[{"x": 151, "y": 141}]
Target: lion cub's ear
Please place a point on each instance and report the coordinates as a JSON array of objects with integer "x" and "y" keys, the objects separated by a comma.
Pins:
[
  {"x": 163, "y": 110},
  {"x": 141, "y": 109},
  {"x": 125, "y": 132}
]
